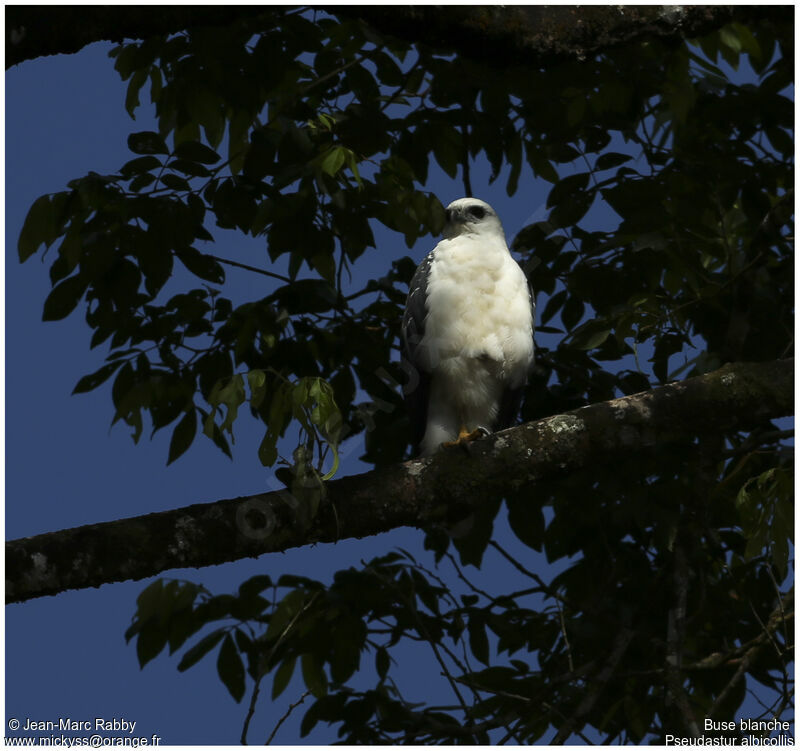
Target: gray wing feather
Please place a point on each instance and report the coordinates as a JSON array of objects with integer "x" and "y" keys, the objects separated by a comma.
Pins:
[{"x": 417, "y": 388}]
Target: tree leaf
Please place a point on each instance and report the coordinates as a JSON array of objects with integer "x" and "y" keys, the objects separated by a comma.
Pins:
[
  {"x": 609, "y": 160},
  {"x": 231, "y": 668},
  {"x": 194, "y": 151},
  {"x": 174, "y": 182},
  {"x": 201, "y": 264},
  {"x": 282, "y": 676},
  {"x": 183, "y": 435},
  {"x": 64, "y": 297},
  {"x": 382, "y": 662},
  {"x": 478, "y": 640},
  {"x": 37, "y": 229},
  {"x": 590, "y": 340},
  {"x": 526, "y": 521},
  {"x": 333, "y": 161},
  {"x": 201, "y": 649},
  {"x": 151, "y": 641},
  {"x": 139, "y": 165},
  {"x": 313, "y": 675},
  {"x": 93, "y": 380},
  {"x": 147, "y": 142},
  {"x": 255, "y": 585}
]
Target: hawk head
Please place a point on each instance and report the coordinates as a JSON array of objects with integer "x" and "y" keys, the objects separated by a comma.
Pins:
[{"x": 471, "y": 216}]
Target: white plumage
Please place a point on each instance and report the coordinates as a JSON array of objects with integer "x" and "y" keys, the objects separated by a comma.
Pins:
[{"x": 467, "y": 331}]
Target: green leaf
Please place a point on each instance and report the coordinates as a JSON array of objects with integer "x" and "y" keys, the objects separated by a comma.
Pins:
[
  {"x": 382, "y": 662},
  {"x": 589, "y": 340},
  {"x": 141, "y": 181},
  {"x": 38, "y": 229},
  {"x": 194, "y": 151},
  {"x": 730, "y": 38},
  {"x": 287, "y": 609},
  {"x": 152, "y": 640},
  {"x": 526, "y": 521},
  {"x": 212, "y": 430},
  {"x": 333, "y": 161},
  {"x": 201, "y": 264},
  {"x": 283, "y": 675},
  {"x": 173, "y": 182},
  {"x": 515, "y": 159},
  {"x": 93, "y": 380},
  {"x": 314, "y": 675},
  {"x": 572, "y": 312},
  {"x": 609, "y": 160},
  {"x": 147, "y": 142},
  {"x": 781, "y": 140},
  {"x": 134, "y": 87},
  {"x": 139, "y": 165},
  {"x": 347, "y": 640},
  {"x": 149, "y": 600},
  {"x": 231, "y": 669},
  {"x": 541, "y": 165},
  {"x": 255, "y": 585},
  {"x": 553, "y": 305},
  {"x": 64, "y": 297},
  {"x": 475, "y": 532},
  {"x": 478, "y": 640},
  {"x": 447, "y": 148},
  {"x": 201, "y": 649},
  {"x": 256, "y": 380},
  {"x": 193, "y": 169},
  {"x": 183, "y": 435},
  {"x": 231, "y": 394}
]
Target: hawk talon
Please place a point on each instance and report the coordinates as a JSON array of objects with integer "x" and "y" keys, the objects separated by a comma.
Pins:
[{"x": 465, "y": 438}]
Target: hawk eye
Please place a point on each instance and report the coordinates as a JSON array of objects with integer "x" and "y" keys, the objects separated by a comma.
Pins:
[{"x": 477, "y": 211}]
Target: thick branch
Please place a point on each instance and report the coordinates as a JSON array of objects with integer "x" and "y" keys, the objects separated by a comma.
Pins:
[
  {"x": 415, "y": 493},
  {"x": 533, "y": 35},
  {"x": 500, "y": 35}
]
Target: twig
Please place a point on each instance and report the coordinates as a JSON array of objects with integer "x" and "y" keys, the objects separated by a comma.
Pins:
[
  {"x": 286, "y": 717},
  {"x": 538, "y": 579},
  {"x": 466, "y": 581},
  {"x": 264, "y": 662},
  {"x": 621, "y": 643},
  {"x": 247, "y": 267},
  {"x": 777, "y": 617},
  {"x": 251, "y": 710},
  {"x": 554, "y": 710},
  {"x": 564, "y": 634},
  {"x": 675, "y": 634},
  {"x": 426, "y": 636}
]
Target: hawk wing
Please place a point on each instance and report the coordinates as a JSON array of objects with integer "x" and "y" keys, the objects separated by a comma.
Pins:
[{"x": 413, "y": 360}]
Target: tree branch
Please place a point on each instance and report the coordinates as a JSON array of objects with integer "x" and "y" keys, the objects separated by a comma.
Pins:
[
  {"x": 575, "y": 722},
  {"x": 498, "y": 35},
  {"x": 415, "y": 493},
  {"x": 503, "y": 35},
  {"x": 778, "y": 618}
]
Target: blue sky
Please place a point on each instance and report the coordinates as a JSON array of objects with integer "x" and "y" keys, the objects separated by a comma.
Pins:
[{"x": 66, "y": 655}]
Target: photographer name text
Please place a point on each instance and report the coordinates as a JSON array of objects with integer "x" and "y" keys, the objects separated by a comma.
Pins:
[{"x": 115, "y": 724}]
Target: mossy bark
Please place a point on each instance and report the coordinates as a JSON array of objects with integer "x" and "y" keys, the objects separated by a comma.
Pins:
[{"x": 416, "y": 493}]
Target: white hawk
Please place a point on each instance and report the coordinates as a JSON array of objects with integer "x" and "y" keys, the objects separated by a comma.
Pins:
[{"x": 467, "y": 332}]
